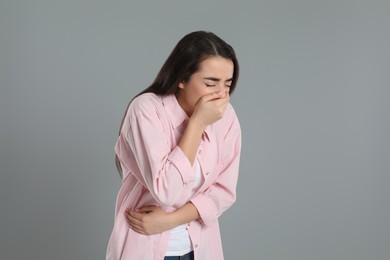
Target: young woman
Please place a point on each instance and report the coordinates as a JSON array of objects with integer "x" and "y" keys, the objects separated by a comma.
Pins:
[{"x": 178, "y": 153}]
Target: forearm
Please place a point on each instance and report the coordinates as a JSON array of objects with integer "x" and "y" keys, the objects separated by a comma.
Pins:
[
  {"x": 151, "y": 220},
  {"x": 209, "y": 109},
  {"x": 184, "y": 214},
  {"x": 190, "y": 140}
]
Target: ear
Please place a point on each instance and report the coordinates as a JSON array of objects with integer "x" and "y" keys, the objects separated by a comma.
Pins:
[{"x": 181, "y": 85}]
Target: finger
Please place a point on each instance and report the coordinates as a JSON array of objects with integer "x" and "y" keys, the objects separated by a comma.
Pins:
[
  {"x": 222, "y": 101},
  {"x": 138, "y": 230},
  {"x": 227, "y": 98},
  {"x": 135, "y": 214},
  {"x": 146, "y": 209},
  {"x": 226, "y": 94},
  {"x": 211, "y": 96},
  {"x": 223, "y": 95},
  {"x": 133, "y": 220},
  {"x": 135, "y": 225}
]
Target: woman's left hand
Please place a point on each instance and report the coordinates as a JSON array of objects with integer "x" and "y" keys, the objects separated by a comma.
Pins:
[{"x": 149, "y": 220}]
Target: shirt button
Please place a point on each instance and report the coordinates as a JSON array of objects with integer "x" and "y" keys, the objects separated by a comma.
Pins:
[
  {"x": 189, "y": 224},
  {"x": 200, "y": 152},
  {"x": 196, "y": 245},
  {"x": 207, "y": 173}
]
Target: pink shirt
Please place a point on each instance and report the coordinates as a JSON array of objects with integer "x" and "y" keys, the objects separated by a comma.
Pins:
[{"x": 156, "y": 172}]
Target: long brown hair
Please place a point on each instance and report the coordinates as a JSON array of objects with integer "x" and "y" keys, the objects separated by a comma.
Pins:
[{"x": 184, "y": 61}]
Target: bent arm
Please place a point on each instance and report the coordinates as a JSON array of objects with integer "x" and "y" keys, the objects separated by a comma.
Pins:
[
  {"x": 151, "y": 220},
  {"x": 144, "y": 148},
  {"x": 219, "y": 196},
  {"x": 184, "y": 214},
  {"x": 206, "y": 206}
]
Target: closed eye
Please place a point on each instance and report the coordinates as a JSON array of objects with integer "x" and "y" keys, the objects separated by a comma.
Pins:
[{"x": 209, "y": 85}]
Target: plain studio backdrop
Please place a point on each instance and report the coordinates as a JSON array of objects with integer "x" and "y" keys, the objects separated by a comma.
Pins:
[{"x": 313, "y": 100}]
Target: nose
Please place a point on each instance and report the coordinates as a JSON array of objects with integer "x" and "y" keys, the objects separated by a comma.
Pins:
[{"x": 223, "y": 88}]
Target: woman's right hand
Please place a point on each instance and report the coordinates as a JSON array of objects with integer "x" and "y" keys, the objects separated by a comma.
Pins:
[{"x": 210, "y": 108}]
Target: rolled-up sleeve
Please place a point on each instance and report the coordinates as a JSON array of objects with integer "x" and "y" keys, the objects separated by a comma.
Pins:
[
  {"x": 222, "y": 193},
  {"x": 148, "y": 155}
]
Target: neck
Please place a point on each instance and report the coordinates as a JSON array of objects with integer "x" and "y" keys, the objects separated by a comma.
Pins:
[{"x": 183, "y": 105}]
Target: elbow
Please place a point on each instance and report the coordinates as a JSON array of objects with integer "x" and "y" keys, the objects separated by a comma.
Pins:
[
  {"x": 228, "y": 203},
  {"x": 167, "y": 188},
  {"x": 230, "y": 199}
]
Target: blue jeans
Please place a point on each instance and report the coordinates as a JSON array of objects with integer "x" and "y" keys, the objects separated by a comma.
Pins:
[{"x": 189, "y": 256}]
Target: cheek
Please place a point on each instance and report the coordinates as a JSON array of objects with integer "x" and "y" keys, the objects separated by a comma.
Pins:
[
  {"x": 200, "y": 93},
  {"x": 204, "y": 91},
  {"x": 195, "y": 92}
]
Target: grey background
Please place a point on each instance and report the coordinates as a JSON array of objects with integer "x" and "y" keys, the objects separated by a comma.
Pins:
[{"x": 313, "y": 100}]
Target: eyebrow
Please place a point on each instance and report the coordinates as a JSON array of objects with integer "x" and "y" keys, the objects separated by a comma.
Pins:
[{"x": 217, "y": 79}]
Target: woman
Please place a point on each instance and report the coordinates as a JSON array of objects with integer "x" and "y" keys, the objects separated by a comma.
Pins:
[{"x": 178, "y": 153}]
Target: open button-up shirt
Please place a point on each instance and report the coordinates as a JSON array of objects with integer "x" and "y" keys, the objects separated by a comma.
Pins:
[{"x": 157, "y": 172}]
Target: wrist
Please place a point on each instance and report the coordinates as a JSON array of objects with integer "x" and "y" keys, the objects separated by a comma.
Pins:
[
  {"x": 172, "y": 220},
  {"x": 196, "y": 124}
]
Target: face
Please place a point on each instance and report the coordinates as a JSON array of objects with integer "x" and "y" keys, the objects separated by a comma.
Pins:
[{"x": 215, "y": 74}]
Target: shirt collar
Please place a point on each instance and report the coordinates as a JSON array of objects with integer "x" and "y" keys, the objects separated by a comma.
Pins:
[{"x": 175, "y": 111}]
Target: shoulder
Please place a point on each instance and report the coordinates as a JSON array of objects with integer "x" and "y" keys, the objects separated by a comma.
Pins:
[
  {"x": 146, "y": 103},
  {"x": 144, "y": 111},
  {"x": 146, "y": 100},
  {"x": 146, "y": 107}
]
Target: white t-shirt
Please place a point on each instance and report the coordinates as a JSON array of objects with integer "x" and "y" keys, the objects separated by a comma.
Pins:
[{"x": 180, "y": 243}]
